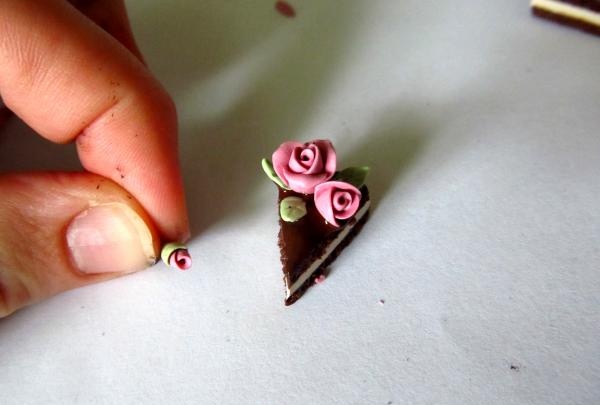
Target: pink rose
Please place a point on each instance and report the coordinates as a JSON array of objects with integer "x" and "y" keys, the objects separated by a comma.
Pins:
[
  {"x": 336, "y": 200},
  {"x": 302, "y": 166}
]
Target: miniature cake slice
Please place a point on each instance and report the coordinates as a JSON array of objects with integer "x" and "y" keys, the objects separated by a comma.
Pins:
[
  {"x": 310, "y": 244},
  {"x": 320, "y": 210},
  {"x": 582, "y": 14}
]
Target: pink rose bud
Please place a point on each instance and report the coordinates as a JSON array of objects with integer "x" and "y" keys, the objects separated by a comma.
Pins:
[
  {"x": 337, "y": 200},
  {"x": 302, "y": 166}
]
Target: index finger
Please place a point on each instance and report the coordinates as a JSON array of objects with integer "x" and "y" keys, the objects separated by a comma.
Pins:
[{"x": 70, "y": 80}]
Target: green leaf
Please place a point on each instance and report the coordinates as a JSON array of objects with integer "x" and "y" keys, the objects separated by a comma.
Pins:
[
  {"x": 268, "y": 168},
  {"x": 292, "y": 209},
  {"x": 353, "y": 175}
]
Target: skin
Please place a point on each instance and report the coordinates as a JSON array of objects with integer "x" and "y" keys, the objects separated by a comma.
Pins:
[{"x": 72, "y": 72}]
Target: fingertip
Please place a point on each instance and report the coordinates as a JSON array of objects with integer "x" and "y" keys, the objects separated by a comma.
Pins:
[
  {"x": 135, "y": 144},
  {"x": 110, "y": 238},
  {"x": 60, "y": 231},
  {"x": 111, "y": 16},
  {"x": 92, "y": 90}
]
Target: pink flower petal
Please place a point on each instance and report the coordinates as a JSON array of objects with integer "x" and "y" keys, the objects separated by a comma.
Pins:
[
  {"x": 307, "y": 156},
  {"x": 295, "y": 163},
  {"x": 350, "y": 208},
  {"x": 303, "y": 166},
  {"x": 341, "y": 200},
  {"x": 337, "y": 200},
  {"x": 323, "y": 193},
  {"x": 316, "y": 163},
  {"x": 281, "y": 158},
  {"x": 328, "y": 156},
  {"x": 181, "y": 259}
]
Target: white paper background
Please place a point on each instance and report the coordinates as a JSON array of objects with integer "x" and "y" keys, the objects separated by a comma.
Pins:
[{"x": 481, "y": 126}]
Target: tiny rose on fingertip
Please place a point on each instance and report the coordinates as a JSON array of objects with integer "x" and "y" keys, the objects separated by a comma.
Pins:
[
  {"x": 337, "y": 200},
  {"x": 302, "y": 166}
]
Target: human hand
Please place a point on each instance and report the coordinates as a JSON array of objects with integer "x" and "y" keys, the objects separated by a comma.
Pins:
[{"x": 72, "y": 72}]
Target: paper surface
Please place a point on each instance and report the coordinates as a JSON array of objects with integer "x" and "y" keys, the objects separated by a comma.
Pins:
[{"x": 477, "y": 278}]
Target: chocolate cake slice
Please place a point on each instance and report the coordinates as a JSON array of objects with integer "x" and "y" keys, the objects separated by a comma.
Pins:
[
  {"x": 581, "y": 14},
  {"x": 321, "y": 209},
  {"x": 310, "y": 244}
]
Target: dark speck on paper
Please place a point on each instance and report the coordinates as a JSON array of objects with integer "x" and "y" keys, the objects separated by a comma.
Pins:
[{"x": 285, "y": 9}]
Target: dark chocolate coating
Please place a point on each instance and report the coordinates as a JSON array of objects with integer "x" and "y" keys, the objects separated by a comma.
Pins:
[
  {"x": 304, "y": 241},
  {"x": 322, "y": 268}
]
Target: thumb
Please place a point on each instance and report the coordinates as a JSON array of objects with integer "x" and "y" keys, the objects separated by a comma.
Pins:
[{"x": 59, "y": 231}]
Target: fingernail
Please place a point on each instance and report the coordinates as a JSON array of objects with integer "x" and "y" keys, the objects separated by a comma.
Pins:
[{"x": 110, "y": 238}]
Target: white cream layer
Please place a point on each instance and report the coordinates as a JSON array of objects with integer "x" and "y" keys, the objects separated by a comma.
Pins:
[
  {"x": 568, "y": 10},
  {"x": 289, "y": 291}
]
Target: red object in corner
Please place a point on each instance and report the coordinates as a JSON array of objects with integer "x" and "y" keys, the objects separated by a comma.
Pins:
[{"x": 285, "y": 9}]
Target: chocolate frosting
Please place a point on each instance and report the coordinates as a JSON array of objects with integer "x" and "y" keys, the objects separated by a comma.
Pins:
[{"x": 304, "y": 241}]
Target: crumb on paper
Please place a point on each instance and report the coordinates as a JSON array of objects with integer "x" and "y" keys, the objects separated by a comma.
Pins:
[
  {"x": 381, "y": 301},
  {"x": 285, "y": 9}
]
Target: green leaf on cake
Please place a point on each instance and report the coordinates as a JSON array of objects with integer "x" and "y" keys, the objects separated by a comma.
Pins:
[
  {"x": 292, "y": 209},
  {"x": 353, "y": 175},
  {"x": 268, "y": 168}
]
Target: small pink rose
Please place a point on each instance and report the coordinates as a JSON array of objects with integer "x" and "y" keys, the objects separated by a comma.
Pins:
[
  {"x": 337, "y": 200},
  {"x": 302, "y": 166}
]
